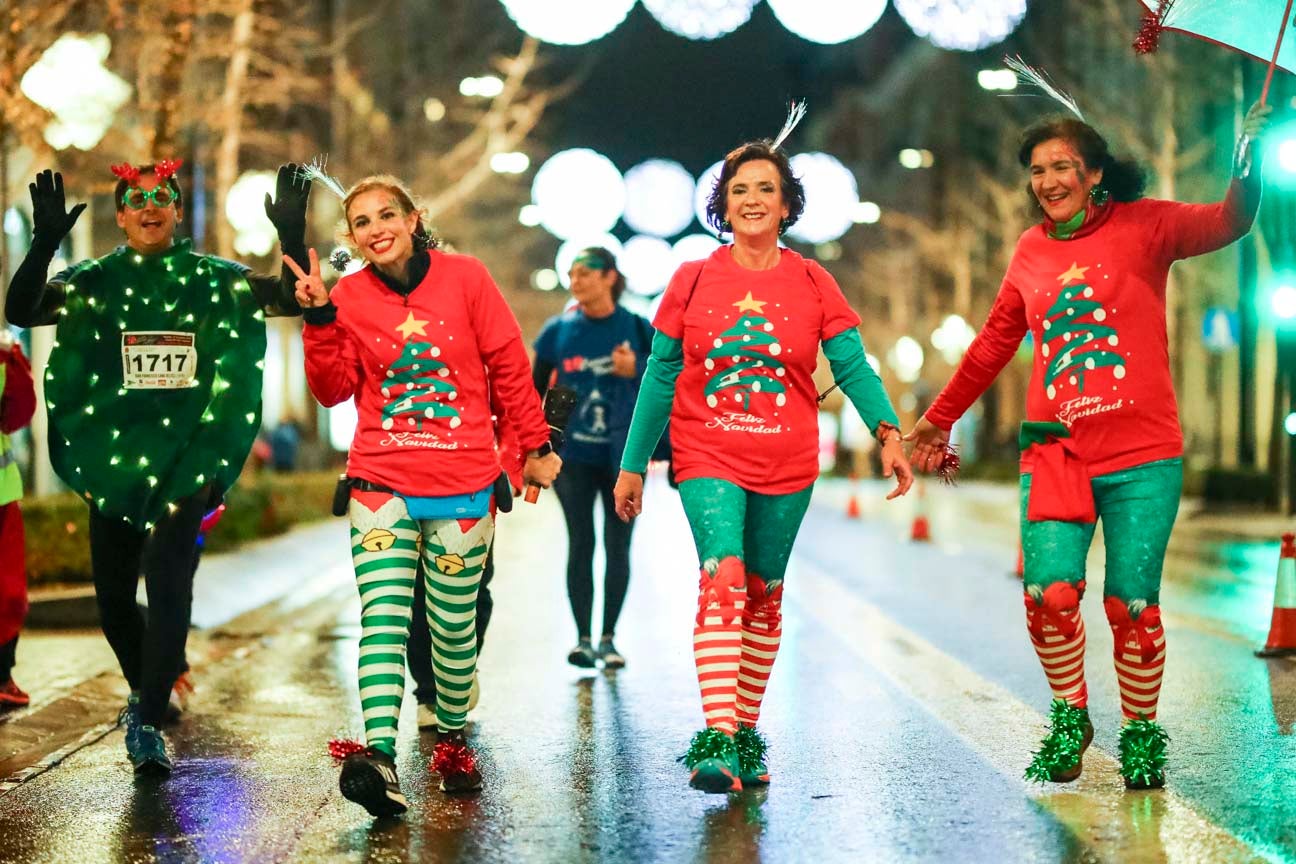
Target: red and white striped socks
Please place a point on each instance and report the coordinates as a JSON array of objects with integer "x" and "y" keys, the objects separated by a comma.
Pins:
[
  {"x": 718, "y": 639},
  {"x": 1140, "y": 652},
  {"x": 1058, "y": 634},
  {"x": 762, "y": 628}
]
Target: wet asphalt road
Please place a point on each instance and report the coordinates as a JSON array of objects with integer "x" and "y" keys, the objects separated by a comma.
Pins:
[{"x": 902, "y": 712}]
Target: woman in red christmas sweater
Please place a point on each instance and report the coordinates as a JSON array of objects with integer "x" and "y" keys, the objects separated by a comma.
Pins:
[
  {"x": 1102, "y": 436},
  {"x": 414, "y": 338}
]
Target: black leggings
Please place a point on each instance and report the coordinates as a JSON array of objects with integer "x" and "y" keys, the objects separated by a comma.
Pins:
[
  {"x": 578, "y": 486},
  {"x": 7, "y": 651},
  {"x": 151, "y": 653},
  {"x": 418, "y": 650}
]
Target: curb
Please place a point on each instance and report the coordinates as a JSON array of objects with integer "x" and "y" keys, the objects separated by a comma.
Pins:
[{"x": 62, "y": 608}]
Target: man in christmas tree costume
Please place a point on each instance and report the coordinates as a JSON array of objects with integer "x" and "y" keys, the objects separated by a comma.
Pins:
[
  {"x": 420, "y": 339},
  {"x": 737, "y": 342},
  {"x": 1102, "y": 436},
  {"x": 154, "y": 398}
]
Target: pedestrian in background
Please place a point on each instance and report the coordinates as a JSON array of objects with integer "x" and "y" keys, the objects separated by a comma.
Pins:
[
  {"x": 598, "y": 348},
  {"x": 738, "y": 336},
  {"x": 17, "y": 405},
  {"x": 1102, "y": 436}
]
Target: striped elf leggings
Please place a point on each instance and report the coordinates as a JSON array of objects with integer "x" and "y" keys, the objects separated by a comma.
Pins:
[
  {"x": 743, "y": 541},
  {"x": 1137, "y": 507},
  {"x": 385, "y": 547}
]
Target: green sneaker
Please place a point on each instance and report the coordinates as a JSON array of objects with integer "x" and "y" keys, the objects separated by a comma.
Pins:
[
  {"x": 712, "y": 760},
  {"x": 1059, "y": 759},
  {"x": 751, "y": 746},
  {"x": 1143, "y": 753}
]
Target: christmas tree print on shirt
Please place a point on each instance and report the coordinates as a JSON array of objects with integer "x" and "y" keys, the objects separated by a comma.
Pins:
[
  {"x": 751, "y": 349},
  {"x": 1073, "y": 346},
  {"x": 416, "y": 388}
]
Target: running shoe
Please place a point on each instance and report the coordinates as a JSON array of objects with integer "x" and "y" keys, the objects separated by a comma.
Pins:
[
  {"x": 456, "y": 763},
  {"x": 712, "y": 760},
  {"x": 129, "y": 717},
  {"x": 610, "y": 656},
  {"x": 583, "y": 655},
  {"x": 150, "y": 757},
  {"x": 178, "y": 701},
  {"x": 369, "y": 779},
  {"x": 1143, "y": 754},
  {"x": 1061, "y": 753},
  {"x": 12, "y": 696}
]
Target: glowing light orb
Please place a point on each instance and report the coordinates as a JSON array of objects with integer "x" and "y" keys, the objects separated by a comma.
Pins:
[
  {"x": 962, "y": 25},
  {"x": 1283, "y": 302},
  {"x": 568, "y": 252},
  {"x": 647, "y": 263},
  {"x": 906, "y": 358},
  {"x": 694, "y": 247},
  {"x": 952, "y": 338},
  {"x": 827, "y": 22},
  {"x": 832, "y": 198},
  {"x": 567, "y": 22},
  {"x": 82, "y": 113},
  {"x": 700, "y": 19},
  {"x": 659, "y": 198},
  {"x": 579, "y": 192},
  {"x": 702, "y": 193},
  {"x": 245, "y": 210}
]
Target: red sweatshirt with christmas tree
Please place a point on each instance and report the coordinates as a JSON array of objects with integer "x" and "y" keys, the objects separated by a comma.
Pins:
[
  {"x": 1095, "y": 305},
  {"x": 422, "y": 368}
]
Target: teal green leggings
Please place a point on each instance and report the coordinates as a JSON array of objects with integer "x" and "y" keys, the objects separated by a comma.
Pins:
[
  {"x": 727, "y": 520},
  {"x": 1137, "y": 507}
]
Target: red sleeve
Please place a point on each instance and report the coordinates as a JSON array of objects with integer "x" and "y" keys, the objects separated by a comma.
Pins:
[
  {"x": 499, "y": 339},
  {"x": 18, "y": 403},
  {"x": 332, "y": 366},
  {"x": 1195, "y": 229},
  {"x": 989, "y": 352},
  {"x": 670, "y": 314},
  {"x": 838, "y": 316}
]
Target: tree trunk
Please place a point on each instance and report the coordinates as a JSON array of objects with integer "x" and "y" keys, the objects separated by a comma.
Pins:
[{"x": 231, "y": 128}]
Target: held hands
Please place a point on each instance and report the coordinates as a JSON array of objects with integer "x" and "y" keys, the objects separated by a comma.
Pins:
[
  {"x": 894, "y": 462},
  {"x": 623, "y": 361},
  {"x": 51, "y": 220},
  {"x": 311, "y": 292},
  {"x": 542, "y": 471},
  {"x": 288, "y": 209},
  {"x": 929, "y": 443},
  {"x": 628, "y": 495}
]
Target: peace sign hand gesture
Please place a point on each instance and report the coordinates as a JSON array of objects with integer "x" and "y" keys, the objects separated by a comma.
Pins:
[
  {"x": 311, "y": 293},
  {"x": 51, "y": 220}
]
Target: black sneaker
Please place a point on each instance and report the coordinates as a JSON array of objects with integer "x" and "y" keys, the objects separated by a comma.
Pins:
[
  {"x": 369, "y": 779},
  {"x": 583, "y": 655},
  {"x": 456, "y": 764}
]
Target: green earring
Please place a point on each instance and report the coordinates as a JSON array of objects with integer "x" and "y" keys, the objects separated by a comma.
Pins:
[{"x": 1098, "y": 195}]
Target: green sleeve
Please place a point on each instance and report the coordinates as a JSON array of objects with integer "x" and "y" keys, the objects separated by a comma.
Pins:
[
  {"x": 856, "y": 378},
  {"x": 653, "y": 407}
]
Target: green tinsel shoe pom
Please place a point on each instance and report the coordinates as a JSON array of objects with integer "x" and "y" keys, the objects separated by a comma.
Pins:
[
  {"x": 1143, "y": 753},
  {"x": 751, "y": 747},
  {"x": 1062, "y": 747},
  {"x": 708, "y": 744}
]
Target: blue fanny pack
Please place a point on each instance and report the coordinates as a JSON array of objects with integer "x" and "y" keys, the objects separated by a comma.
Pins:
[{"x": 473, "y": 505}]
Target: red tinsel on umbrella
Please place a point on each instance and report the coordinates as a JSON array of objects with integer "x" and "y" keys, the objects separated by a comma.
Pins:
[
  {"x": 450, "y": 759},
  {"x": 1149, "y": 35},
  {"x": 340, "y": 748}
]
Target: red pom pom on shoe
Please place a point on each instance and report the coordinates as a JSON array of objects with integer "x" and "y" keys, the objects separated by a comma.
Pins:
[
  {"x": 451, "y": 758},
  {"x": 340, "y": 748}
]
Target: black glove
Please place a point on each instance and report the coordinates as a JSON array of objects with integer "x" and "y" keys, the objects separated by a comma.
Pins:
[
  {"x": 288, "y": 209},
  {"x": 51, "y": 220}
]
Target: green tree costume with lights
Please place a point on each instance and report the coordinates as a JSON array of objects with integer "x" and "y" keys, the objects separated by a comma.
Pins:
[{"x": 153, "y": 392}]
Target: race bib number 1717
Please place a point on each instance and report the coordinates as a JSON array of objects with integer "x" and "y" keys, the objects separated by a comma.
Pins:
[{"x": 159, "y": 360}]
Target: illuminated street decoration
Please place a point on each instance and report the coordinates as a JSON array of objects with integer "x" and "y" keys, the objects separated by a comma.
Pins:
[
  {"x": 82, "y": 113},
  {"x": 245, "y": 210},
  {"x": 579, "y": 192},
  {"x": 694, "y": 247},
  {"x": 659, "y": 198},
  {"x": 952, "y": 338},
  {"x": 702, "y": 193},
  {"x": 700, "y": 19},
  {"x": 962, "y": 25},
  {"x": 832, "y": 198},
  {"x": 567, "y": 22},
  {"x": 906, "y": 358},
  {"x": 647, "y": 264},
  {"x": 828, "y": 22},
  {"x": 569, "y": 251}
]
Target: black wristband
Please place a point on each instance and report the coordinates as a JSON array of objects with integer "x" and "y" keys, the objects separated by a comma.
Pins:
[{"x": 320, "y": 316}]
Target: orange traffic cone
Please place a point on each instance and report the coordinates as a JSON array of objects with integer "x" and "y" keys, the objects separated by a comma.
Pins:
[
  {"x": 1021, "y": 563},
  {"x": 852, "y": 503},
  {"x": 1282, "y": 629},
  {"x": 920, "y": 532}
]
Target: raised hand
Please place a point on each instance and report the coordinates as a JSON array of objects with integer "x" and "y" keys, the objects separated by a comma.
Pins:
[
  {"x": 51, "y": 220},
  {"x": 311, "y": 292},
  {"x": 288, "y": 209}
]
